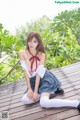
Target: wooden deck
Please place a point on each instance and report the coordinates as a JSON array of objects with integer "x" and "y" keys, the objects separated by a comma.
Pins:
[{"x": 11, "y": 94}]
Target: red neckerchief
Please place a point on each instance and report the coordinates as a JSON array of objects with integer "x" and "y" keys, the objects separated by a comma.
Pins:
[{"x": 32, "y": 60}]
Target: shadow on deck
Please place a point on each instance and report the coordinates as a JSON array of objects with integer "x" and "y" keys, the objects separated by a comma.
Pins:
[{"x": 11, "y": 94}]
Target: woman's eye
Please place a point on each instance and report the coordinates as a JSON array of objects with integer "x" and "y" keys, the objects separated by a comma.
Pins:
[
  {"x": 30, "y": 40},
  {"x": 35, "y": 41}
]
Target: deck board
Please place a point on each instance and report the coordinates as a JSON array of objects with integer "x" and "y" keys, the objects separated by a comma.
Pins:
[{"x": 11, "y": 94}]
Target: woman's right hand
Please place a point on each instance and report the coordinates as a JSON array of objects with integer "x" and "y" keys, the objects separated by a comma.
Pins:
[{"x": 30, "y": 93}]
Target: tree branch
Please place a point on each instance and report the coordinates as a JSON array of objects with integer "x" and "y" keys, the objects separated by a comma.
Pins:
[
  {"x": 10, "y": 70},
  {"x": 3, "y": 58}
]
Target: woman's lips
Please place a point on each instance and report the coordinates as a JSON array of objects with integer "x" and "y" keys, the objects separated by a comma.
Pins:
[{"x": 31, "y": 46}]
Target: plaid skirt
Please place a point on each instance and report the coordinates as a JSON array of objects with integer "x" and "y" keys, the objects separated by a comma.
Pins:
[{"x": 49, "y": 83}]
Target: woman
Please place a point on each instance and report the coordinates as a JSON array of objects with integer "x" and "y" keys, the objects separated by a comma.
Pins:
[{"x": 41, "y": 83}]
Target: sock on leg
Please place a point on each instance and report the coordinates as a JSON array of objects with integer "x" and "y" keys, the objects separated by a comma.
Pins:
[{"x": 49, "y": 103}]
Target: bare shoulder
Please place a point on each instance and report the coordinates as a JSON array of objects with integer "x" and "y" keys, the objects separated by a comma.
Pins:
[
  {"x": 21, "y": 53},
  {"x": 42, "y": 55}
]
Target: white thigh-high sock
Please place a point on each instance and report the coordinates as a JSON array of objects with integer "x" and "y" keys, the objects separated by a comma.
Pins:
[
  {"x": 26, "y": 100},
  {"x": 49, "y": 103}
]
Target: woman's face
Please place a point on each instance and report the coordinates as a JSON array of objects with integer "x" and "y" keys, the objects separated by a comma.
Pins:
[{"x": 33, "y": 43}]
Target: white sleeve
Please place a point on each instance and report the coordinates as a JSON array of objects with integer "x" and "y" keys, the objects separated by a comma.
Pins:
[
  {"x": 24, "y": 66},
  {"x": 41, "y": 70}
]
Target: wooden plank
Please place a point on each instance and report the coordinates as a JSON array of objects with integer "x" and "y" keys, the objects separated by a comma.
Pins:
[
  {"x": 23, "y": 107},
  {"x": 60, "y": 116},
  {"x": 69, "y": 75},
  {"x": 36, "y": 113},
  {"x": 68, "y": 66},
  {"x": 74, "y": 118},
  {"x": 5, "y": 108},
  {"x": 10, "y": 95},
  {"x": 62, "y": 78},
  {"x": 65, "y": 72},
  {"x": 7, "y": 93},
  {"x": 10, "y": 86},
  {"x": 66, "y": 69}
]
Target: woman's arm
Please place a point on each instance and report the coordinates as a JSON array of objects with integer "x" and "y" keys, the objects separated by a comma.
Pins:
[
  {"x": 37, "y": 83},
  {"x": 30, "y": 92},
  {"x": 43, "y": 59},
  {"x": 42, "y": 62},
  {"x": 27, "y": 81},
  {"x": 21, "y": 56}
]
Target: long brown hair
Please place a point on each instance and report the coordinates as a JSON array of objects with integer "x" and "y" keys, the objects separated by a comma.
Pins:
[{"x": 40, "y": 47}]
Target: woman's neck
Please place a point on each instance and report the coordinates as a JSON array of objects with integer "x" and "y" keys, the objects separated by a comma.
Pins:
[{"x": 33, "y": 51}]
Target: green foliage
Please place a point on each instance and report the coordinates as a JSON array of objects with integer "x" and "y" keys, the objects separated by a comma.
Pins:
[
  {"x": 10, "y": 46},
  {"x": 65, "y": 42},
  {"x": 68, "y": 20}
]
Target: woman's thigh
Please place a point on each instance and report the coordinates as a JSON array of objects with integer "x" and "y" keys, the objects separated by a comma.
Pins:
[{"x": 45, "y": 94}]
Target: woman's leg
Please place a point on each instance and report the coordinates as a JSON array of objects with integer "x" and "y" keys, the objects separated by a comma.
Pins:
[
  {"x": 26, "y": 100},
  {"x": 49, "y": 103}
]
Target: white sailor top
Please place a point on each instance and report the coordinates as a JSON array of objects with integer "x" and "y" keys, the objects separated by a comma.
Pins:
[{"x": 40, "y": 69}]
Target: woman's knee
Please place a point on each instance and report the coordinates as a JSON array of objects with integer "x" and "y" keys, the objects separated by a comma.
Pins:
[
  {"x": 25, "y": 99},
  {"x": 44, "y": 101}
]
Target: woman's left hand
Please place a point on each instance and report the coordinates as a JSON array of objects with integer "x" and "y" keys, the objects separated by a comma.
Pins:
[{"x": 35, "y": 96}]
